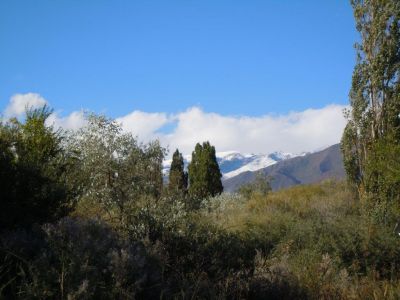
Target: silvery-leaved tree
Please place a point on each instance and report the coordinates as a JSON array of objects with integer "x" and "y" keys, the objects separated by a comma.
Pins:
[
  {"x": 117, "y": 170},
  {"x": 370, "y": 142}
]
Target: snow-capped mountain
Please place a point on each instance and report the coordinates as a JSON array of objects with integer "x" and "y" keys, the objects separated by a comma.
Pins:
[
  {"x": 303, "y": 169},
  {"x": 233, "y": 163}
]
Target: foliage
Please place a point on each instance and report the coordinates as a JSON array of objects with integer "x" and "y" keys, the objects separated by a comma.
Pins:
[
  {"x": 204, "y": 174},
  {"x": 373, "y": 121},
  {"x": 126, "y": 239},
  {"x": 313, "y": 242},
  {"x": 76, "y": 259},
  {"x": 35, "y": 172},
  {"x": 115, "y": 170},
  {"x": 382, "y": 179},
  {"x": 178, "y": 178},
  {"x": 259, "y": 186}
]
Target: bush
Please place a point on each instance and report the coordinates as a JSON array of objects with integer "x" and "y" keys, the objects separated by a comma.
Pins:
[
  {"x": 315, "y": 241},
  {"x": 198, "y": 260},
  {"x": 307, "y": 242},
  {"x": 76, "y": 259},
  {"x": 35, "y": 169}
]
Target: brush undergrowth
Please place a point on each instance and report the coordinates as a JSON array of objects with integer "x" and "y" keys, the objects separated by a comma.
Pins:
[
  {"x": 317, "y": 239},
  {"x": 306, "y": 242}
]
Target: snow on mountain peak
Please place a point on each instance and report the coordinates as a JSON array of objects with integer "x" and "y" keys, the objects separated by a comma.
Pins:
[{"x": 233, "y": 163}]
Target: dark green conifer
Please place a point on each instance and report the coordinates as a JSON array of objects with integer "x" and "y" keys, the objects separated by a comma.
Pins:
[
  {"x": 204, "y": 173},
  {"x": 178, "y": 178}
]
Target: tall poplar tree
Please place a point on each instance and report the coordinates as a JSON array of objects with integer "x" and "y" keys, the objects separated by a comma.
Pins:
[
  {"x": 178, "y": 178},
  {"x": 204, "y": 173},
  {"x": 370, "y": 142}
]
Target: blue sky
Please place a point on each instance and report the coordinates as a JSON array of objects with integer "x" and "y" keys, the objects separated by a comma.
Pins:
[{"x": 242, "y": 58}]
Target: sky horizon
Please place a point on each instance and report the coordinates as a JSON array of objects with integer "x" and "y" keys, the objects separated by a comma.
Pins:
[
  {"x": 158, "y": 66},
  {"x": 295, "y": 132}
]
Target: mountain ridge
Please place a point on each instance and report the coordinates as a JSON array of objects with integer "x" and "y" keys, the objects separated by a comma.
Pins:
[
  {"x": 233, "y": 163},
  {"x": 309, "y": 168}
]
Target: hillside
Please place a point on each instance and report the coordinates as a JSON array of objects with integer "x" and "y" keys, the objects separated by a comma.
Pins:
[
  {"x": 310, "y": 168},
  {"x": 318, "y": 244}
]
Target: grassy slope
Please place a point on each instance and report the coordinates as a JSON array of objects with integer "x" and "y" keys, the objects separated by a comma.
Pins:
[{"x": 314, "y": 238}]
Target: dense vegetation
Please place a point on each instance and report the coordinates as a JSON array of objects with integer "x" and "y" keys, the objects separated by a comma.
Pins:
[
  {"x": 116, "y": 231},
  {"x": 34, "y": 168},
  {"x": 372, "y": 136},
  {"x": 87, "y": 214},
  {"x": 204, "y": 174},
  {"x": 178, "y": 178},
  {"x": 307, "y": 242}
]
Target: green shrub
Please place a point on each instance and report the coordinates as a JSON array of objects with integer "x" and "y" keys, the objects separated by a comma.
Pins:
[{"x": 76, "y": 259}]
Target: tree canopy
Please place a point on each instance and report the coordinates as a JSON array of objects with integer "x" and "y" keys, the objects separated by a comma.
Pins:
[
  {"x": 34, "y": 172},
  {"x": 115, "y": 169},
  {"x": 372, "y": 135},
  {"x": 178, "y": 178},
  {"x": 204, "y": 173}
]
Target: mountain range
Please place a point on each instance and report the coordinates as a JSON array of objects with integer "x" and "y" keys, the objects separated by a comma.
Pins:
[
  {"x": 309, "y": 168},
  {"x": 233, "y": 163},
  {"x": 285, "y": 169}
]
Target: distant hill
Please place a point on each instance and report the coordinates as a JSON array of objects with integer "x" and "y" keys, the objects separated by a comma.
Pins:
[{"x": 310, "y": 168}]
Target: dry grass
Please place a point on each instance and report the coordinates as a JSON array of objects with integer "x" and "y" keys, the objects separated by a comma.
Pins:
[{"x": 316, "y": 239}]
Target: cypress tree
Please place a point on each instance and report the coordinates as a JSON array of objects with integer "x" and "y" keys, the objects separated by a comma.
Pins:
[
  {"x": 204, "y": 173},
  {"x": 178, "y": 178}
]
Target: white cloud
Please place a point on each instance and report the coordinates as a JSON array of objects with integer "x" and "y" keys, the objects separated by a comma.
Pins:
[
  {"x": 293, "y": 132},
  {"x": 73, "y": 121},
  {"x": 19, "y": 102},
  {"x": 144, "y": 124}
]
